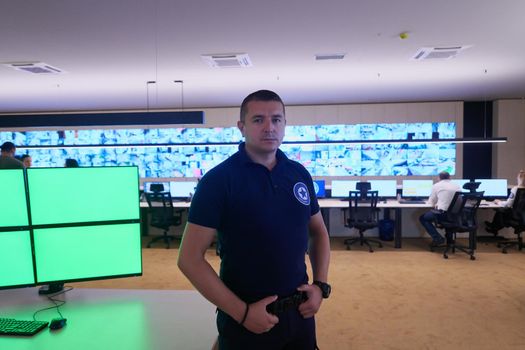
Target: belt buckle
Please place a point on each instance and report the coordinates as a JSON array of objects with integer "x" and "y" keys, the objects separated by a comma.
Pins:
[{"x": 284, "y": 304}]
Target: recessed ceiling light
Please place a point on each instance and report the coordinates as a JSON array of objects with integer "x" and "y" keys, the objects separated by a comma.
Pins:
[
  {"x": 234, "y": 60},
  {"x": 329, "y": 56},
  {"x": 34, "y": 67},
  {"x": 428, "y": 53}
]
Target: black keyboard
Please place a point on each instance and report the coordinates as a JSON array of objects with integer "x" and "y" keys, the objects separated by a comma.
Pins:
[
  {"x": 10, "y": 326},
  {"x": 412, "y": 201}
]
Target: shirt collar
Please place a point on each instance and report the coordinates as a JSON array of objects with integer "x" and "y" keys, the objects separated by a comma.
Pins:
[{"x": 280, "y": 156}]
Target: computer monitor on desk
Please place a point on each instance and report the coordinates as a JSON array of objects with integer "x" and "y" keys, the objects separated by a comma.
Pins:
[
  {"x": 319, "y": 187},
  {"x": 385, "y": 188},
  {"x": 493, "y": 188},
  {"x": 83, "y": 224},
  {"x": 16, "y": 261},
  {"x": 416, "y": 188},
  {"x": 460, "y": 183},
  {"x": 182, "y": 190},
  {"x": 341, "y": 188}
]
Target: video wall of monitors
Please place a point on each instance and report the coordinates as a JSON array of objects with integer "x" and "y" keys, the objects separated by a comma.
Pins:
[{"x": 177, "y": 154}]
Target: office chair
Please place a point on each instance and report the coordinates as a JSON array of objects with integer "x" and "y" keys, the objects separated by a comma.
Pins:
[
  {"x": 471, "y": 186},
  {"x": 516, "y": 220},
  {"x": 362, "y": 215},
  {"x": 461, "y": 217},
  {"x": 164, "y": 216}
]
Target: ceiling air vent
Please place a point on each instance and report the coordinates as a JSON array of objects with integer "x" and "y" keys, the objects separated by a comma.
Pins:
[
  {"x": 241, "y": 60},
  {"x": 34, "y": 67},
  {"x": 428, "y": 53},
  {"x": 331, "y": 56}
]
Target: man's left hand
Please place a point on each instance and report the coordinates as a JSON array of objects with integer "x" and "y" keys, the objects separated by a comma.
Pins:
[{"x": 310, "y": 307}]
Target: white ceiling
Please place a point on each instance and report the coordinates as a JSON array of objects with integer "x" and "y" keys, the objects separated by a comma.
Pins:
[{"x": 110, "y": 49}]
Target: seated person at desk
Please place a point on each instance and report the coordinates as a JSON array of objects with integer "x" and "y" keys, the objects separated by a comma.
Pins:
[
  {"x": 71, "y": 163},
  {"x": 7, "y": 157},
  {"x": 27, "y": 160},
  {"x": 442, "y": 193},
  {"x": 501, "y": 215}
]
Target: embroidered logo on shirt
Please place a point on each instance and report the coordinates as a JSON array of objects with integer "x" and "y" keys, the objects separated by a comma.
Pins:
[{"x": 301, "y": 193}]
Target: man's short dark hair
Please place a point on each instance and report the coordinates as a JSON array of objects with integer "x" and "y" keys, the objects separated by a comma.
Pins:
[
  {"x": 8, "y": 146},
  {"x": 444, "y": 175},
  {"x": 260, "y": 95},
  {"x": 71, "y": 163},
  {"x": 24, "y": 156}
]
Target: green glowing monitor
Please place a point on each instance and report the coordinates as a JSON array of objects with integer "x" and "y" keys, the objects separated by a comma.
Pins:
[
  {"x": 13, "y": 205},
  {"x": 82, "y": 195},
  {"x": 16, "y": 261},
  {"x": 81, "y": 253}
]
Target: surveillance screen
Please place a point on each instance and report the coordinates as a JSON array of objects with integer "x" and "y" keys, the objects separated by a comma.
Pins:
[{"x": 173, "y": 152}]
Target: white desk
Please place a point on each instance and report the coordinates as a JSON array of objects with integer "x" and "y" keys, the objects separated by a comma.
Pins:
[
  {"x": 114, "y": 319},
  {"x": 328, "y": 203}
]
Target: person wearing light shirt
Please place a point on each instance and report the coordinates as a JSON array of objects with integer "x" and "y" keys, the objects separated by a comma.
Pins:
[
  {"x": 442, "y": 193},
  {"x": 504, "y": 214}
]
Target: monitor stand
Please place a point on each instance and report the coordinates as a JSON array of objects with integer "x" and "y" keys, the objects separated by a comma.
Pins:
[{"x": 50, "y": 288}]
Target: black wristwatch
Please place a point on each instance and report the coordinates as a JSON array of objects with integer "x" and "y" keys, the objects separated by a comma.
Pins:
[{"x": 325, "y": 288}]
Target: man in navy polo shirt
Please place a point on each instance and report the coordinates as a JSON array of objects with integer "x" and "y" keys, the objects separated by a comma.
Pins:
[{"x": 263, "y": 208}]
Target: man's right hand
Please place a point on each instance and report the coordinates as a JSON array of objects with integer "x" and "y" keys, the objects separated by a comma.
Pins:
[{"x": 258, "y": 319}]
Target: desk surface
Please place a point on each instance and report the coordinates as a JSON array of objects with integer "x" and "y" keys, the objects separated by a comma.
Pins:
[
  {"x": 389, "y": 203},
  {"x": 338, "y": 203},
  {"x": 114, "y": 319}
]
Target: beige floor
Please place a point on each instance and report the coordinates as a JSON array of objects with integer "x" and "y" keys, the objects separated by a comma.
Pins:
[{"x": 396, "y": 299}]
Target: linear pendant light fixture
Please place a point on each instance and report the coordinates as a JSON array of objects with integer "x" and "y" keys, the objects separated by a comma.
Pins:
[{"x": 316, "y": 143}]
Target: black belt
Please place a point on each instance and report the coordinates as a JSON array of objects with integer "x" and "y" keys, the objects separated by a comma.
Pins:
[{"x": 287, "y": 303}]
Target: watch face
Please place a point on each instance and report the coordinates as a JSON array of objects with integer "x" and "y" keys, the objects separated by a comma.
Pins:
[{"x": 326, "y": 289}]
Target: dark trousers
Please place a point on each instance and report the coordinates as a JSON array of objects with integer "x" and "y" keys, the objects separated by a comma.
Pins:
[
  {"x": 500, "y": 219},
  {"x": 428, "y": 219},
  {"x": 293, "y": 332}
]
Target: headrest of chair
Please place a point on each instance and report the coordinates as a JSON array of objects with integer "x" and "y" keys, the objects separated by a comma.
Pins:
[
  {"x": 471, "y": 186},
  {"x": 363, "y": 186},
  {"x": 156, "y": 187}
]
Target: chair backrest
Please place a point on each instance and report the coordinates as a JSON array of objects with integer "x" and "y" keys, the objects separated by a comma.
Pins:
[
  {"x": 363, "y": 187},
  {"x": 518, "y": 208},
  {"x": 161, "y": 216},
  {"x": 471, "y": 204},
  {"x": 455, "y": 207},
  {"x": 362, "y": 206},
  {"x": 461, "y": 213}
]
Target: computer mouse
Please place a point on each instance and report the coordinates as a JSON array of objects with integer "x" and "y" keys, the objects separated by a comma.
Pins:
[{"x": 57, "y": 323}]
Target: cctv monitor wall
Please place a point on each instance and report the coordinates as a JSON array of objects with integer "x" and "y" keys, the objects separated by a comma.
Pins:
[
  {"x": 385, "y": 188},
  {"x": 416, "y": 188},
  {"x": 493, "y": 188}
]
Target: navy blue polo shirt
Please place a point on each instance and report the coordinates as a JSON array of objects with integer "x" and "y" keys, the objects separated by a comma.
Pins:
[{"x": 262, "y": 221}]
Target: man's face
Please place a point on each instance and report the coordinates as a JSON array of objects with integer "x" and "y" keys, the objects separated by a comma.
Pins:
[
  {"x": 263, "y": 126},
  {"x": 28, "y": 161}
]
